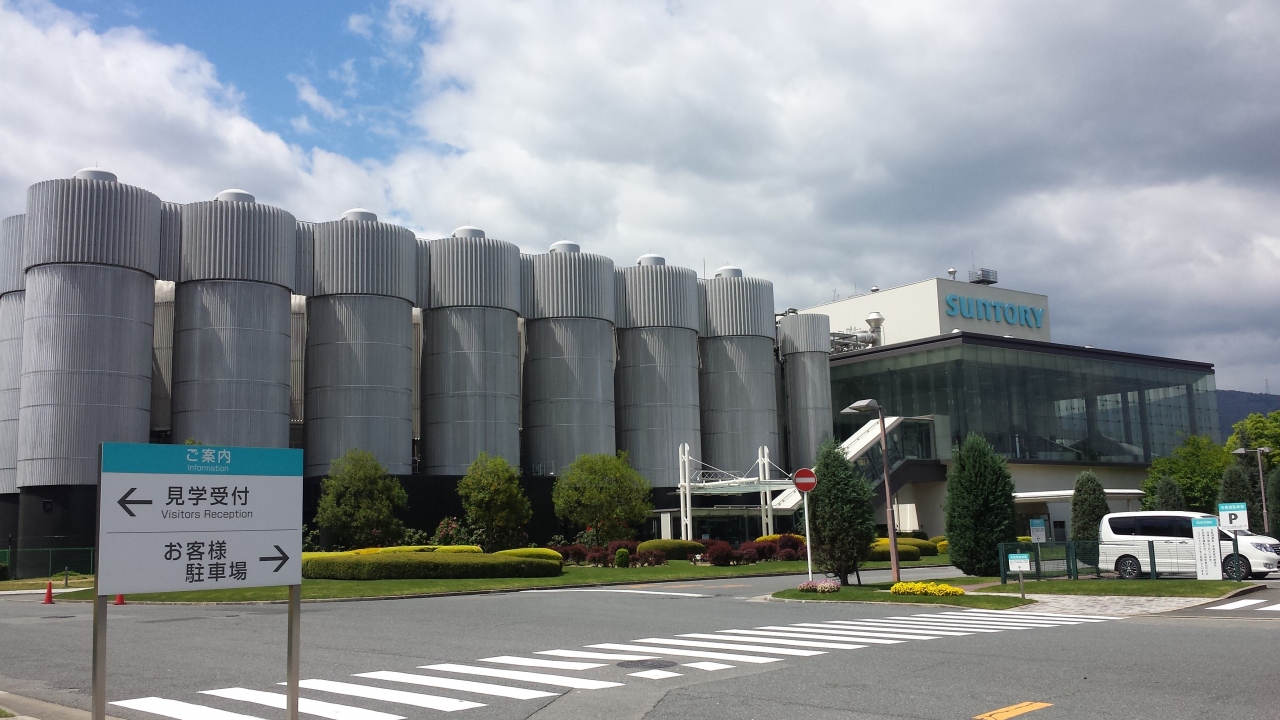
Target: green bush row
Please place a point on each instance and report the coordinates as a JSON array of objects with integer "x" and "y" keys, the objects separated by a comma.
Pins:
[
  {"x": 538, "y": 553},
  {"x": 425, "y": 566},
  {"x": 672, "y": 549},
  {"x": 927, "y": 548},
  {"x": 937, "y": 539},
  {"x": 880, "y": 552}
]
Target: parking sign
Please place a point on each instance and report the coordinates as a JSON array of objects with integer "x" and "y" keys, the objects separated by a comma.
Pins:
[{"x": 1233, "y": 516}]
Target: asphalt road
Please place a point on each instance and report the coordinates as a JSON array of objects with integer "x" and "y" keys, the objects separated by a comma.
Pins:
[{"x": 1151, "y": 667}]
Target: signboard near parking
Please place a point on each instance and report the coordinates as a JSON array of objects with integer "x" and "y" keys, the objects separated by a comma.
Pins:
[
  {"x": 1038, "y": 533},
  {"x": 175, "y": 517},
  {"x": 1204, "y": 532},
  {"x": 1019, "y": 562},
  {"x": 1233, "y": 516}
]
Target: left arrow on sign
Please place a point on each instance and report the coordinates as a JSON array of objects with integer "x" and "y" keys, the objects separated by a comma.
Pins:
[
  {"x": 124, "y": 502},
  {"x": 282, "y": 557}
]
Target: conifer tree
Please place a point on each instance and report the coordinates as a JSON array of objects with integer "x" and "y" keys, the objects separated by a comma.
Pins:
[
  {"x": 844, "y": 521},
  {"x": 1165, "y": 495},
  {"x": 1088, "y": 506},
  {"x": 1240, "y": 485},
  {"x": 979, "y": 507}
]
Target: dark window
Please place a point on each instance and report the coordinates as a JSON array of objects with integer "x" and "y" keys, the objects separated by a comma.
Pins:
[
  {"x": 1182, "y": 527},
  {"x": 1124, "y": 525},
  {"x": 1157, "y": 526}
]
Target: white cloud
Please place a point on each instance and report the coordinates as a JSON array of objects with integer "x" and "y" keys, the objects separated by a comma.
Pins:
[
  {"x": 301, "y": 124},
  {"x": 346, "y": 74},
  {"x": 309, "y": 95},
  {"x": 361, "y": 25}
]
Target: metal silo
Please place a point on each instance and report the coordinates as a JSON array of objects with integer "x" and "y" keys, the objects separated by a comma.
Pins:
[
  {"x": 359, "y": 343},
  {"x": 804, "y": 342},
  {"x": 170, "y": 241},
  {"x": 92, "y": 255},
  {"x": 569, "y": 359},
  {"x": 162, "y": 363},
  {"x": 737, "y": 384},
  {"x": 470, "y": 389},
  {"x": 297, "y": 368},
  {"x": 304, "y": 258},
  {"x": 656, "y": 381},
  {"x": 231, "y": 323},
  {"x": 12, "y": 298}
]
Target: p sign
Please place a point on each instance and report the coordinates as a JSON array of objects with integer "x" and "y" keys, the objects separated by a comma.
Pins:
[
  {"x": 804, "y": 480},
  {"x": 1233, "y": 516}
]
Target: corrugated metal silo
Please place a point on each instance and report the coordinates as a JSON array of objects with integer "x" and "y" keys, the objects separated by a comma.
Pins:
[
  {"x": 569, "y": 359},
  {"x": 12, "y": 299},
  {"x": 92, "y": 255},
  {"x": 170, "y": 241},
  {"x": 162, "y": 361},
  {"x": 359, "y": 343},
  {"x": 657, "y": 374},
  {"x": 231, "y": 323},
  {"x": 737, "y": 384},
  {"x": 804, "y": 342},
  {"x": 470, "y": 389},
  {"x": 297, "y": 368},
  {"x": 304, "y": 258}
]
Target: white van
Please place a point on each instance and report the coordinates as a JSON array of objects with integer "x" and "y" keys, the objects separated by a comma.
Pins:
[{"x": 1124, "y": 536}]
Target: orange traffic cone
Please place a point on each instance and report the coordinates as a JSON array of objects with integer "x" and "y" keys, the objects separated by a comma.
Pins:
[
  {"x": 119, "y": 600},
  {"x": 48, "y": 594}
]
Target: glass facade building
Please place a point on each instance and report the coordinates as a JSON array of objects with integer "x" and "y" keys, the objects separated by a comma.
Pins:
[{"x": 1033, "y": 401}]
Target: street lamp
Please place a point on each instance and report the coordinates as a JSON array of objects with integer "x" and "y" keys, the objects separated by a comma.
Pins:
[
  {"x": 868, "y": 406},
  {"x": 1262, "y": 482}
]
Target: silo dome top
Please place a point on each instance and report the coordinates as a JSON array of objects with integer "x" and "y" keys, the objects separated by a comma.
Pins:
[
  {"x": 651, "y": 259},
  {"x": 728, "y": 271},
  {"x": 467, "y": 231},
  {"x": 235, "y": 195},
  {"x": 95, "y": 174},
  {"x": 564, "y": 246},
  {"x": 359, "y": 215}
]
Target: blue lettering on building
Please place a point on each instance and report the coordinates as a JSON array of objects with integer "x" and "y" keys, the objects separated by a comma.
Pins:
[{"x": 993, "y": 311}]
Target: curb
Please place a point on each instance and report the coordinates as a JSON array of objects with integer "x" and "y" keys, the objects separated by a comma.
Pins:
[
  {"x": 25, "y": 708},
  {"x": 874, "y": 602}
]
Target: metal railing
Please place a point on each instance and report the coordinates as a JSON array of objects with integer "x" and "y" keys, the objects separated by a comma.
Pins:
[
  {"x": 1127, "y": 560},
  {"x": 46, "y": 562}
]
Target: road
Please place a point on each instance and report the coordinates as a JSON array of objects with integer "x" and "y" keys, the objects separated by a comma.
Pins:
[{"x": 935, "y": 663}]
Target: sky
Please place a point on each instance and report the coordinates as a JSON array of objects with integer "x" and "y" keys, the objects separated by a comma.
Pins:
[{"x": 1121, "y": 158}]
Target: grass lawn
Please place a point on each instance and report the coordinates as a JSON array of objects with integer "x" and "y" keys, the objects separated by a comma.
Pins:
[
  {"x": 41, "y": 583},
  {"x": 875, "y": 593},
  {"x": 1135, "y": 588}
]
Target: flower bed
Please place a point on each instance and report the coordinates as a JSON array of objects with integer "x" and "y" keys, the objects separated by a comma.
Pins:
[
  {"x": 920, "y": 588},
  {"x": 820, "y": 586}
]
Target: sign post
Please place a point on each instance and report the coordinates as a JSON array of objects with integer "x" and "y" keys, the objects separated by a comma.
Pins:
[
  {"x": 1038, "y": 532},
  {"x": 806, "y": 480},
  {"x": 1020, "y": 562},
  {"x": 1208, "y": 548},
  {"x": 174, "y": 518}
]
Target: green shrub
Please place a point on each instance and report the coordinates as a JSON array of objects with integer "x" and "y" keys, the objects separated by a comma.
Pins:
[
  {"x": 622, "y": 558},
  {"x": 672, "y": 549},
  {"x": 409, "y": 548},
  {"x": 543, "y": 553},
  {"x": 424, "y": 566},
  {"x": 4, "y": 571},
  {"x": 943, "y": 546},
  {"x": 880, "y": 551},
  {"x": 358, "y": 503},
  {"x": 937, "y": 539},
  {"x": 927, "y": 549},
  {"x": 459, "y": 549}
]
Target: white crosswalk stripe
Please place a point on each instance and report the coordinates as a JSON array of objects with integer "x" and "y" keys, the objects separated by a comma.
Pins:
[
  {"x": 179, "y": 710},
  {"x": 306, "y": 706},
  {"x": 593, "y": 655},
  {"x": 999, "y": 622},
  {"x": 907, "y": 631},
  {"x": 470, "y": 686},
  {"x": 655, "y": 674},
  {"x": 687, "y": 653},
  {"x": 1269, "y": 607},
  {"x": 422, "y": 700},
  {"x": 839, "y": 634},
  {"x": 730, "y": 646},
  {"x": 542, "y": 678},
  {"x": 1047, "y": 616},
  {"x": 772, "y": 641},
  {"x": 712, "y": 666},
  {"x": 1236, "y": 605},
  {"x": 941, "y": 621},
  {"x": 795, "y": 635},
  {"x": 971, "y": 627},
  {"x": 539, "y": 662}
]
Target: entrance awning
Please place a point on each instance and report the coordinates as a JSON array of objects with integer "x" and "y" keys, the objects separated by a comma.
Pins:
[{"x": 1048, "y": 496}]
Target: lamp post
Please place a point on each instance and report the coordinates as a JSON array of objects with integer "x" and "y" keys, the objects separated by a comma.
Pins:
[
  {"x": 867, "y": 406},
  {"x": 1262, "y": 482}
]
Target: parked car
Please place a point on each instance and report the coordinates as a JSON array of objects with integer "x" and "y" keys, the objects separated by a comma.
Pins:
[{"x": 1124, "y": 545}]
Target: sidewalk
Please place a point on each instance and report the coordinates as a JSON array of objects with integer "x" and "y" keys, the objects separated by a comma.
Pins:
[
  {"x": 25, "y": 708},
  {"x": 1109, "y": 604}
]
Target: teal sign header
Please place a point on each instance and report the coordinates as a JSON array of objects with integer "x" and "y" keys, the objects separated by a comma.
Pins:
[
  {"x": 992, "y": 311},
  {"x": 200, "y": 460},
  {"x": 1204, "y": 522},
  {"x": 1232, "y": 507}
]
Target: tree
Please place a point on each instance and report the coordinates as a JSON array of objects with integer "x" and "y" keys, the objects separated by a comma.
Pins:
[
  {"x": 843, "y": 519},
  {"x": 1088, "y": 505},
  {"x": 1273, "y": 500},
  {"x": 603, "y": 493},
  {"x": 494, "y": 502},
  {"x": 979, "y": 507},
  {"x": 1255, "y": 431},
  {"x": 1241, "y": 485},
  {"x": 358, "y": 501},
  {"x": 1196, "y": 465},
  {"x": 1165, "y": 495}
]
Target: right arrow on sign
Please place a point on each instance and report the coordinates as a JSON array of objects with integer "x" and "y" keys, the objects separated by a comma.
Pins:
[{"x": 282, "y": 557}]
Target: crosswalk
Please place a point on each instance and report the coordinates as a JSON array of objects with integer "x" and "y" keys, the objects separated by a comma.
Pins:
[
  {"x": 543, "y": 675},
  {"x": 1249, "y": 604}
]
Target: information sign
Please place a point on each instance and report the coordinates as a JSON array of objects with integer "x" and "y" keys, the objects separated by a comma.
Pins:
[
  {"x": 1204, "y": 531},
  {"x": 191, "y": 517},
  {"x": 1019, "y": 562},
  {"x": 1038, "y": 534},
  {"x": 1233, "y": 516}
]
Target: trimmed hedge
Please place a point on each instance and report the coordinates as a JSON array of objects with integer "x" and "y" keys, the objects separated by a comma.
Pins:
[
  {"x": 425, "y": 566},
  {"x": 774, "y": 538},
  {"x": 880, "y": 552},
  {"x": 937, "y": 539},
  {"x": 459, "y": 549},
  {"x": 672, "y": 549},
  {"x": 541, "y": 553},
  {"x": 927, "y": 549},
  {"x": 943, "y": 546}
]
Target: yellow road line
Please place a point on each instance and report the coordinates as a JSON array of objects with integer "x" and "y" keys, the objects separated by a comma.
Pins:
[{"x": 1005, "y": 713}]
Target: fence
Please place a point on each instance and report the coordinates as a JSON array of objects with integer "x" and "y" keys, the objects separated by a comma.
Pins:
[
  {"x": 45, "y": 562},
  {"x": 1127, "y": 560}
]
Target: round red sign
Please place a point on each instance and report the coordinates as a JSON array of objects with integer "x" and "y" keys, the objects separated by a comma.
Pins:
[{"x": 805, "y": 480}]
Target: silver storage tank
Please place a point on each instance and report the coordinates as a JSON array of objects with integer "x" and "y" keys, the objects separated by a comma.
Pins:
[
  {"x": 297, "y": 368},
  {"x": 170, "y": 241},
  {"x": 12, "y": 298},
  {"x": 804, "y": 342},
  {"x": 470, "y": 353},
  {"x": 231, "y": 323},
  {"x": 569, "y": 359},
  {"x": 92, "y": 256},
  {"x": 656, "y": 381},
  {"x": 359, "y": 343},
  {"x": 304, "y": 258},
  {"x": 162, "y": 361},
  {"x": 737, "y": 384}
]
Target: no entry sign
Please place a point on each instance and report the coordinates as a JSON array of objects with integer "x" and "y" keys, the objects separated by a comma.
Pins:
[{"x": 804, "y": 480}]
